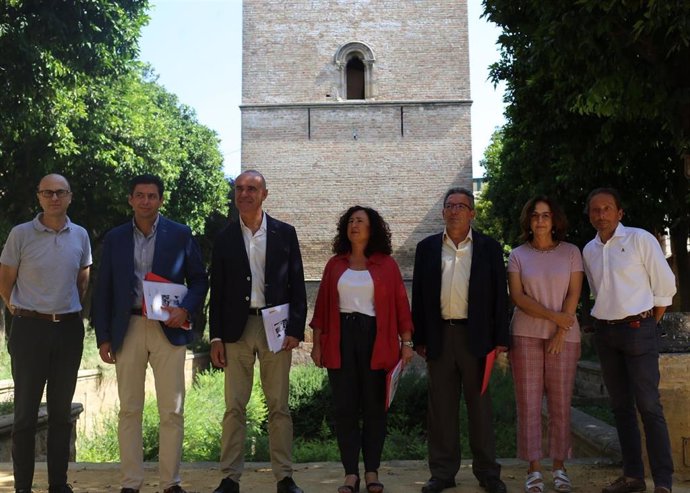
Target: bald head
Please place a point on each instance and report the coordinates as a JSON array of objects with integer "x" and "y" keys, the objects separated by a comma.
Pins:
[
  {"x": 53, "y": 179},
  {"x": 254, "y": 173}
]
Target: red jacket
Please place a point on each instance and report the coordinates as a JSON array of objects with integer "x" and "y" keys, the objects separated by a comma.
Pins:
[{"x": 390, "y": 303}]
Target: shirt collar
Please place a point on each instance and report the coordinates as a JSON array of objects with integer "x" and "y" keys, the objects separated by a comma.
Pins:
[
  {"x": 619, "y": 233},
  {"x": 262, "y": 227},
  {"x": 467, "y": 239},
  {"x": 153, "y": 228},
  {"x": 39, "y": 226}
]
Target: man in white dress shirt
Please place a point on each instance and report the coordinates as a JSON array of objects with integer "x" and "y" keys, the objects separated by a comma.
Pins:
[{"x": 632, "y": 285}]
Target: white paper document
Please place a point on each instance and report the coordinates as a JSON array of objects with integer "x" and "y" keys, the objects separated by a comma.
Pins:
[
  {"x": 158, "y": 295},
  {"x": 275, "y": 322}
]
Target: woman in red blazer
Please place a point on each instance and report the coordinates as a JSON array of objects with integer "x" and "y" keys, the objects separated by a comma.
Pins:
[{"x": 362, "y": 328}]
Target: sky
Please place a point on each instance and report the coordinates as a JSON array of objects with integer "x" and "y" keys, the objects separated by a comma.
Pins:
[{"x": 195, "y": 47}]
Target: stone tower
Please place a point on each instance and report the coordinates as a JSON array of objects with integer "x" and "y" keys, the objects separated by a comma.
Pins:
[{"x": 356, "y": 102}]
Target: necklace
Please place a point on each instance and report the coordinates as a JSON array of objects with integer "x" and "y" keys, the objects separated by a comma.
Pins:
[{"x": 548, "y": 249}]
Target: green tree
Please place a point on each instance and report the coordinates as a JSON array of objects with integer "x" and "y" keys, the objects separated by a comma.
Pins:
[{"x": 598, "y": 95}]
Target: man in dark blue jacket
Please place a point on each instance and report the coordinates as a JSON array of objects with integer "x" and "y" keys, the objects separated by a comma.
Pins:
[
  {"x": 149, "y": 243},
  {"x": 460, "y": 314}
]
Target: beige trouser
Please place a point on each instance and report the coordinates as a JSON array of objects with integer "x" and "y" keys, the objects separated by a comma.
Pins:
[
  {"x": 239, "y": 374},
  {"x": 146, "y": 343}
]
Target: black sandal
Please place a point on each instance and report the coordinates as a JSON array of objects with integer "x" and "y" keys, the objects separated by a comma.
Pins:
[{"x": 346, "y": 488}]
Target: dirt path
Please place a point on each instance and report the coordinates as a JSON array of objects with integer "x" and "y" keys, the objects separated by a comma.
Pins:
[{"x": 588, "y": 476}]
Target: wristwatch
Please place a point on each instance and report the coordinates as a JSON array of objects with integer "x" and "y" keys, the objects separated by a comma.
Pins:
[{"x": 409, "y": 344}]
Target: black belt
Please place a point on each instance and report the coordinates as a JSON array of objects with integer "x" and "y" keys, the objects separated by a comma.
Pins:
[
  {"x": 455, "y": 321},
  {"x": 631, "y": 318},
  {"x": 52, "y": 317},
  {"x": 255, "y": 311},
  {"x": 137, "y": 311}
]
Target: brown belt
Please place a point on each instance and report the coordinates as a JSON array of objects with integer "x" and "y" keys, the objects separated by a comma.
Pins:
[
  {"x": 52, "y": 317},
  {"x": 631, "y": 318},
  {"x": 255, "y": 311},
  {"x": 455, "y": 321}
]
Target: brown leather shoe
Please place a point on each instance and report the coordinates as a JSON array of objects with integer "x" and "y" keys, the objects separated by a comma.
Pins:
[
  {"x": 662, "y": 489},
  {"x": 625, "y": 485}
]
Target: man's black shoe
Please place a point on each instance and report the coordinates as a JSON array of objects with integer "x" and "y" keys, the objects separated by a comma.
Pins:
[
  {"x": 287, "y": 485},
  {"x": 129, "y": 490},
  {"x": 493, "y": 485},
  {"x": 436, "y": 485},
  {"x": 63, "y": 488},
  {"x": 23, "y": 491},
  {"x": 228, "y": 486}
]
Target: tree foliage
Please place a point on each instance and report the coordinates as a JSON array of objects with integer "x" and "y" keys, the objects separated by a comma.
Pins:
[
  {"x": 599, "y": 95},
  {"x": 74, "y": 100}
]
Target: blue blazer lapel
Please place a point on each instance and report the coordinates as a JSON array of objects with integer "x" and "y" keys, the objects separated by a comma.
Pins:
[
  {"x": 237, "y": 243},
  {"x": 159, "y": 253}
]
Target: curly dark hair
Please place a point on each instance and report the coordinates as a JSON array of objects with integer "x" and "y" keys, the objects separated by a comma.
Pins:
[
  {"x": 558, "y": 219},
  {"x": 379, "y": 233}
]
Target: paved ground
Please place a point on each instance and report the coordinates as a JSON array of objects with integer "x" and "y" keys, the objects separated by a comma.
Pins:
[{"x": 588, "y": 476}]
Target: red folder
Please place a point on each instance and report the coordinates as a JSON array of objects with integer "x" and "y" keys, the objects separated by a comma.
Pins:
[
  {"x": 392, "y": 380},
  {"x": 488, "y": 366}
]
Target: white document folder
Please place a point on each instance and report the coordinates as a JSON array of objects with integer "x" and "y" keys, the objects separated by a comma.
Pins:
[
  {"x": 275, "y": 323},
  {"x": 158, "y": 295}
]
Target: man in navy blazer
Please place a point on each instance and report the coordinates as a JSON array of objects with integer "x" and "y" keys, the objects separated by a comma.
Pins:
[
  {"x": 256, "y": 264},
  {"x": 125, "y": 337},
  {"x": 460, "y": 314}
]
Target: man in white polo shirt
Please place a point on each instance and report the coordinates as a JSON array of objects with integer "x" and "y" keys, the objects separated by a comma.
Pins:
[
  {"x": 632, "y": 285},
  {"x": 44, "y": 272}
]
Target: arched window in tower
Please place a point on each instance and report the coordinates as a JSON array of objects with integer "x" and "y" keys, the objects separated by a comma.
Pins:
[
  {"x": 355, "y": 61},
  {"x": 355, "y": 78}
]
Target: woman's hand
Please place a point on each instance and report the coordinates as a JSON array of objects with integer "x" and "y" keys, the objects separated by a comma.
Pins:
[
  {"x": 316, "y": 355},
  {"x": 556, "y": 343},
  {"x": 564, "y": 320},
  {"x": 406, "y": 353}
]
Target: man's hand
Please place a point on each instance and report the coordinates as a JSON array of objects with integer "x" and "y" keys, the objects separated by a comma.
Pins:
[
  {"x": 290, "y": 343},
  {"x": 105, "y": 350},
  {"x": 178, "y": 316},
  {"x": 218, "y": 354},
  {"x": 501, "y": 349}
]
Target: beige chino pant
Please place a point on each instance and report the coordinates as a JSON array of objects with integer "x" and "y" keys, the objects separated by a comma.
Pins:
[
  {"x": 145, "y": 343},
  {"x": 240, "y": 357}
]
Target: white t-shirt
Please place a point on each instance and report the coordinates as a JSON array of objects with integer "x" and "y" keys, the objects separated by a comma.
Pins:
[{"x": 356, "y": 292}]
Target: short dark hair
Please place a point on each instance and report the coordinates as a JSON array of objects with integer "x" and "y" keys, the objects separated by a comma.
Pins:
[
  {"x": 460, "y": 190},
  {"x": 379, "y": 233},
  {"x": 146, "y": 179},
  {"x": 605, "y": 190},
  {"x": 558, "y": 219}
]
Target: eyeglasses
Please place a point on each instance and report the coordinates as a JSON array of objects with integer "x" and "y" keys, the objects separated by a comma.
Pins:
[
  {"x": 457, "y": 207},
  {"x": 48, "y": 194},
  {"x": 544, "y": 216}
]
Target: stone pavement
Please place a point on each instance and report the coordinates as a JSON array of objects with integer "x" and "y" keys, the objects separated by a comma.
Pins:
[{"x": 588, "y": 476}]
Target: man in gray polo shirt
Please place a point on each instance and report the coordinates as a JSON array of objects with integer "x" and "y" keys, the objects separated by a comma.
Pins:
[{"x": 44, "y": 272}]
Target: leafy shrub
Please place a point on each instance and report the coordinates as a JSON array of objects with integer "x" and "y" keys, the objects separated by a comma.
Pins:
[{"x": 309, "y": 400}]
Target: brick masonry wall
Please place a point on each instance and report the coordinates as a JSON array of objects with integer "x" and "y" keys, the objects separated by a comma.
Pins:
[
  {"x": 397, "y": 152},
  {"x": 312, "y": 181},
  {"x": 420, "y": 48}
]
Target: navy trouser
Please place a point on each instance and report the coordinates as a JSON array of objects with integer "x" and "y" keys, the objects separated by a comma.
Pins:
[
  {"x": 43, "y": 352},
  {"x": 629, "y": 359},
  {"x": 358, "y": 391}
]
